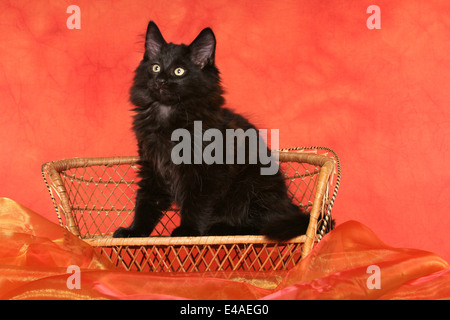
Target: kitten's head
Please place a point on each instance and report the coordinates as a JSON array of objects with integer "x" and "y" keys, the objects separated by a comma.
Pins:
[{"x": 173, "y": 74}]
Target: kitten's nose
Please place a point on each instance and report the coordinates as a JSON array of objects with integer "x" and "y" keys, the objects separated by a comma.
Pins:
[{"x": 160, "y": 83}]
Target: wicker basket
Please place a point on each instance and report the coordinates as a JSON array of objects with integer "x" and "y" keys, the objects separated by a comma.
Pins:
[{"x": 95, "y": 196}]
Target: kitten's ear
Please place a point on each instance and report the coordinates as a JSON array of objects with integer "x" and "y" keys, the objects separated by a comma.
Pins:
[
  {"x": 153, "y": 39},
  {"x": 203, "y": 48}
]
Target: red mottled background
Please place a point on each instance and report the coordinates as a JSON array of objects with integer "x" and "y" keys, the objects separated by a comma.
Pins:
[{"x": 379, "y": 98}]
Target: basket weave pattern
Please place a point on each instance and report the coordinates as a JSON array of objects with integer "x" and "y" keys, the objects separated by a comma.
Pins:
[{"x": 95, "y": 196}]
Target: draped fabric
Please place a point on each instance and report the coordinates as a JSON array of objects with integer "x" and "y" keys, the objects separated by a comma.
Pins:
[{"x": 36, "y": 257}]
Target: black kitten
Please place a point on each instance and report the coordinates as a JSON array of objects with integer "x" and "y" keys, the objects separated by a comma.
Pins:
[{"x": 175, "y": 87}]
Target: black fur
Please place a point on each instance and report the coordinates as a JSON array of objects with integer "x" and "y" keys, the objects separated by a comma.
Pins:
[{"x": 214, "y": 199}]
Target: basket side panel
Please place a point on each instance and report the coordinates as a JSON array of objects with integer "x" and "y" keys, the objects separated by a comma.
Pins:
[
  {"x": 301, "y": 181},
  {"x": 204, "y": 258},
  {"x": 102, "y": 199}
]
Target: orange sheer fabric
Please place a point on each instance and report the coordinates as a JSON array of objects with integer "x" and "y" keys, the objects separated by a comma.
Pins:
[{"x": 35, "y": 255}]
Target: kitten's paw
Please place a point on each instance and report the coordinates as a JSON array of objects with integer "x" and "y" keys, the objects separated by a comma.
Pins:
[
  {"x": 184, "y": 232},
  {"x": 129, "y": 233}
]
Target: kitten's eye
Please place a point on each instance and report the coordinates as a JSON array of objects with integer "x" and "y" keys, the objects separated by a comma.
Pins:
[
  {"x": 179, "y": 72},
  {"x": 156, "y": 68}
]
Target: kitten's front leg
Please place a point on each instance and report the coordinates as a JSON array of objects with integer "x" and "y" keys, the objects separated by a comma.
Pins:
[
  {"x": 188, "y": 222},
  {"x": 151, "y": 201},
  {"x": 195, "y": 201},
  {"x": 195, "y": 218}
]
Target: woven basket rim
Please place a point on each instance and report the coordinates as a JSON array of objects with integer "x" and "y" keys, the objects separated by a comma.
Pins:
[{"x": 177, "y": 241}]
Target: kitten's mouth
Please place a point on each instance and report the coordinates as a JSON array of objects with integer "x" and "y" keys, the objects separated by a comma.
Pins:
[
  {"x": 158, "y": 92},
  {"x": 162, "y": 95}
]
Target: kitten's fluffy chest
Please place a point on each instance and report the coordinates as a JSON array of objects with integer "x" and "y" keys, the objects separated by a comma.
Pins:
[
  {"x": 163, "y": 112},
  {"x": 153, "y": 127},
  {"x": 156, "y": 123},
  {"x": 154, "y": 114}
]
